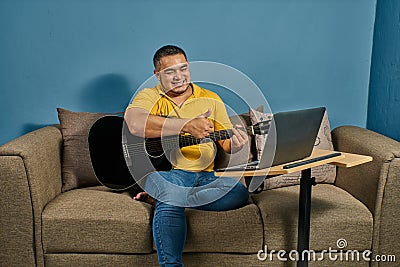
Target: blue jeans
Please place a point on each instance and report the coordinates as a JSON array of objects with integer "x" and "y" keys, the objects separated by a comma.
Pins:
[{"x": 177, "y": 189}]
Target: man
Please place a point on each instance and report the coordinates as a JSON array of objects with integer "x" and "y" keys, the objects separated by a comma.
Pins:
[{"x": 177, "y": 106}]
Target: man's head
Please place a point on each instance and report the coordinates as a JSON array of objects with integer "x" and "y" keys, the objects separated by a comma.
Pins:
[
  {"x": 167, "y": 50},
  {"x": 172, "y": 69}
]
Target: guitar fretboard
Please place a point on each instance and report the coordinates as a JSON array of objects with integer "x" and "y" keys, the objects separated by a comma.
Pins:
[
  {"x": 188, "y": 140},
  {"x": 174, "y": 142}
]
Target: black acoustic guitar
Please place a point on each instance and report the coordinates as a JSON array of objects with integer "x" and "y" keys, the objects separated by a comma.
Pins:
[{"x": 120, "y": 159}]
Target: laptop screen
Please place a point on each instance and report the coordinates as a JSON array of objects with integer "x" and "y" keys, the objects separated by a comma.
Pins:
[{"x": 292, "y": 136}]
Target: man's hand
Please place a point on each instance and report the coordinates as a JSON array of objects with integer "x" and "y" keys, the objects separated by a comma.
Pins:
[
  {"x": 238, "y": 139},
  {"x": 199, "y": 127}
]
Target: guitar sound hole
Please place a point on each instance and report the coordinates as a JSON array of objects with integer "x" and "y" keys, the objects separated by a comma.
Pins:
[{"x": 154, "y": 147}]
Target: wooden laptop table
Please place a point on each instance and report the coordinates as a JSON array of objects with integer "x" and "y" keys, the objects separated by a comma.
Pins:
[{"x": 345, "y": 160}]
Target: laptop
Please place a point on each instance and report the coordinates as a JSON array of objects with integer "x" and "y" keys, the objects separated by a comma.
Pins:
[{"x": 291, "y": 137}]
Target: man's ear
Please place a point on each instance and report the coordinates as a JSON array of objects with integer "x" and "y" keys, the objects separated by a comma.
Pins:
[{"x": 157, "y": 74}]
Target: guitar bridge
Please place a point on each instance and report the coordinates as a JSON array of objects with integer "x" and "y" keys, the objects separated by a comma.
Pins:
[{"x": 125, "y": 150}]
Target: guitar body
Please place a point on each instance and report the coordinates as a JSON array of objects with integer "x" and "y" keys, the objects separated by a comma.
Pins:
[{"x": 113, "y": 167}]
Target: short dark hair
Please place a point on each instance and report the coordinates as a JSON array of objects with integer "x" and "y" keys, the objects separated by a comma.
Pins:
[{"x": 167, "y": 50}]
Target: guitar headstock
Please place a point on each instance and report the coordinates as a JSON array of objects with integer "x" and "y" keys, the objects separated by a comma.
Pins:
[{"x": 261, "y": 127}]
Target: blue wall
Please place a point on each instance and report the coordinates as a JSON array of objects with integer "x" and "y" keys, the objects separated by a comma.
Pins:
[
  {"x": 384, "y": 98},
  {"x": 92, "y": 55}
]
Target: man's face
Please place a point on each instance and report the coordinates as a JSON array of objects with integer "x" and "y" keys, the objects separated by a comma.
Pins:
[{"x": 174, "y": 74}]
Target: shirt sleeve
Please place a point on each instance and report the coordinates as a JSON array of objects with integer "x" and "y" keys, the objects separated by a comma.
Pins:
[{"x": 144, "y": 99}]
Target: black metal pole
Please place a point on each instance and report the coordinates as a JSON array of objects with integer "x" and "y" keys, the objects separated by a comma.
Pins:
[{"x": 303, "y": 238}]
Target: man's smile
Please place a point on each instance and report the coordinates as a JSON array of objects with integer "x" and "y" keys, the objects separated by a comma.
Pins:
[{"x": 179, "y": 84}]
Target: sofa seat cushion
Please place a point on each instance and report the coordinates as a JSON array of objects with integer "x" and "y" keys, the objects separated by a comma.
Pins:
[
  {"x": 96, "y": 220},
  {"x": 238, "y": 230},
  {"x": 335, "y": 215}
]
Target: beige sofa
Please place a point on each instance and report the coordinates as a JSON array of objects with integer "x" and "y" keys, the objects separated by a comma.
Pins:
[{"x": 92, "y": 226}]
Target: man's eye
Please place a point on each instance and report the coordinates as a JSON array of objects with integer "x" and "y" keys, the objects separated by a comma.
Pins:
[
  {"x": 168, "y": 72},
  {"x": 184, "y": 68}
]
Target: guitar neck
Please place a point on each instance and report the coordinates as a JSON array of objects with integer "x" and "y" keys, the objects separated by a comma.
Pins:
[
  {"x": 189, "y": 140},
  {"x": 179, "y": 141}
]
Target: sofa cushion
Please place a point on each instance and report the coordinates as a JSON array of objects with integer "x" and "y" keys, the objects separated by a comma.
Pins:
[
  {"x": 77, "y": 170},
  {"x": 335, "y": 214},
  {"x": 234, "y": 231},
  {"x": 96, "y": 220},
  {"x": 256, "y": 116}
]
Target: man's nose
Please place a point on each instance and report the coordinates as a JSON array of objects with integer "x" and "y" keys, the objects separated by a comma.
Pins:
[{"x": 178, "y": 75}]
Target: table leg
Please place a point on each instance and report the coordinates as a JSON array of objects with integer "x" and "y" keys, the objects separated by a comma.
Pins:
[{"x": 303, "y": 239}]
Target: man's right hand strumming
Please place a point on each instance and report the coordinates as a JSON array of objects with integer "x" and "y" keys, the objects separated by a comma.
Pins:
[{"x": 199, "y": 127}]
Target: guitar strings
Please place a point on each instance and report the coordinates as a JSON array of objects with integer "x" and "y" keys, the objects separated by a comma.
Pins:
[
  {"x": 172, "y": 142},
  {"x": 181, "y": 140},
  {"x": 188, "y": 139},
  {"x": 184, "y": 139},
  {"x": 169, "y": 144}
]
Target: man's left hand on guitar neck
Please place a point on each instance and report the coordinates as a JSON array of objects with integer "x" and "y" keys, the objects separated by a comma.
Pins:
[{"x": 238, "y": 140}]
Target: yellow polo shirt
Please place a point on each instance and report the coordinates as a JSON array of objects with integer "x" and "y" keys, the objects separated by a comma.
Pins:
[{"x": 195, "y": 157}]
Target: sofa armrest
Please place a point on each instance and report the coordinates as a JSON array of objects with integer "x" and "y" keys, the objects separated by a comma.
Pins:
[
  {"x": 376, "y": 184},
  {"x": 30, "y": 176}
]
